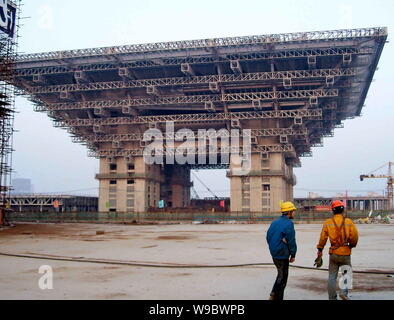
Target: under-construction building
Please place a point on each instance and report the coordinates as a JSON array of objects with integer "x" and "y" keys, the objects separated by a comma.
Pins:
[
  {"x": 9, "y": 13},
  {"x": 290, "y": 90}
]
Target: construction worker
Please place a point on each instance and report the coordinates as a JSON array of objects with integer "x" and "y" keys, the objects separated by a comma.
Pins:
[
  {"x": 282, "y": 246},
  {"x": 343, "y": 236}
]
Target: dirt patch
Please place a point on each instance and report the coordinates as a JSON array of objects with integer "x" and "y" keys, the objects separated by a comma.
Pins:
[
  {"x": 179, "y": 274},
  {"x": 38, "y": 229},
  {"x": 111, "y": 268},
  {"x": 361, "y": 283},
  {"x": 174, "y": 237},
  {"x": 62, "y": 231},
  {"x": 116, "y": 295},
  {"x": 120, "y": 237},
  {"x": 35, "y": 271},
  {"x": 314, "y": 284}
]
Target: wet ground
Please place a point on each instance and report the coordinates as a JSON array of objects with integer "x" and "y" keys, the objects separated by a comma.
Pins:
[{"x": 185, "y": 244}]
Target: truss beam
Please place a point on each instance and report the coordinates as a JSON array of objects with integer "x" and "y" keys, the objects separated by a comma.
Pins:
[
  {"x": 197, "y": 117},
  {"x": 197, "y": 99},
  {"x": 224, "y": 78},
  {"x": 191, "y": 151},
  {"x": 22, "y": 70},
  {"x": 211, "y": 43},
  {"x": 177, "y": 135}
]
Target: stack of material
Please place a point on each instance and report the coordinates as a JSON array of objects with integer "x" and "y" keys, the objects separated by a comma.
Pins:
[{"x": 387, "y": 219}]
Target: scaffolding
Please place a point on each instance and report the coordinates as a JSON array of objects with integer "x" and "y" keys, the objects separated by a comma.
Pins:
[{"x": 9, "y": 24}]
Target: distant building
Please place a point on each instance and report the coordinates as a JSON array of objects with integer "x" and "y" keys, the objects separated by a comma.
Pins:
[
  {"x": 21, "y": 186},
  {"x": 370, "y": 202},
  {"x": 53, "y": 203}
]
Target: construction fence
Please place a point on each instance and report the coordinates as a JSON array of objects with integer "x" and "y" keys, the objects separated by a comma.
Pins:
[{"x": 160, "y": 217}]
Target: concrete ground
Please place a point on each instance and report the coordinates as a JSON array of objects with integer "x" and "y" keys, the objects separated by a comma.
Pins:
[{"x": 180, "y": 244}]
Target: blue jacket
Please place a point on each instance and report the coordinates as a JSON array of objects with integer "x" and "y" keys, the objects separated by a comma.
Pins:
[{"x": 282, "y": 228}]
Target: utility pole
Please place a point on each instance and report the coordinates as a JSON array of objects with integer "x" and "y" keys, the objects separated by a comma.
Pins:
[
  {"x": 390, "y": 181},
  {"x": 346, "y": 201}
]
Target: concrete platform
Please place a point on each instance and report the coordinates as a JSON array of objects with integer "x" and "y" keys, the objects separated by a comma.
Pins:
[{"x": 219, "y": 244}]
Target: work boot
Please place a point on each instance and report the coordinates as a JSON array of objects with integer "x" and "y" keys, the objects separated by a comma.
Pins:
[{"x": 344, "y": 296}]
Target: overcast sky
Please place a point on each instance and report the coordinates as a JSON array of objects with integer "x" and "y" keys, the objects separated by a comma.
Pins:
[{"x": 47, "y": 156}]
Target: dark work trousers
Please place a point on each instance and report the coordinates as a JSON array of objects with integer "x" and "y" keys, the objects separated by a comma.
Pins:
[{"x": 282, "y": 265}]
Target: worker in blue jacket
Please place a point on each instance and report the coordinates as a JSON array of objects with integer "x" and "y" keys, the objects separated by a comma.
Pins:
[{"x": 283, "y": 247}]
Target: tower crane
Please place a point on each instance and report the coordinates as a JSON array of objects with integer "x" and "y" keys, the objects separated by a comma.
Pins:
[
  {"x": 390, "y": 180},
  {"x": 215, "y": 196}
]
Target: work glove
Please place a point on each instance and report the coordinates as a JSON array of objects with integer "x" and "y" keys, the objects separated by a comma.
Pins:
[{"x": 318, "y": 262}]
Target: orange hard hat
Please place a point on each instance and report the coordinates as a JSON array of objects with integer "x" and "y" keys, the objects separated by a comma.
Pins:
[{"x": 337, "y": 203}]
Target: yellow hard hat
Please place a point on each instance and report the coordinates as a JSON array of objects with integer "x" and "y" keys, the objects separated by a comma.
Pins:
[{"x": 287, "y": 206}]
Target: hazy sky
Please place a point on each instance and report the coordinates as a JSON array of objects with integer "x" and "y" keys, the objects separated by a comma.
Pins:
[{"x": 47, "y": 156}]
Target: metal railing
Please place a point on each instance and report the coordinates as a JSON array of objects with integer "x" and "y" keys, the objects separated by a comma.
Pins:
[{"x": 179, "y": 216}]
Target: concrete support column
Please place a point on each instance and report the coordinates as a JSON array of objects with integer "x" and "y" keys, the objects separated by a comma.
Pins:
[
  {"x": 147, "y": 185},
  {"x": 128, "y": 185},
  {"x": 112, "y": 184},
  {"x": 235, "y": 194},
  {"x": 269, "y": 181},
  {"x": 255, "y": 182},
  {"x": 176, "y": 187}
]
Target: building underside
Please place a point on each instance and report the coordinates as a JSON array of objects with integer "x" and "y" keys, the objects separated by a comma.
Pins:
[{"x": 290, "y": 90}]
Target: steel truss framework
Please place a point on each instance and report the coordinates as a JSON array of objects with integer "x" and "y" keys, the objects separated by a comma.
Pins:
[
  {"x": 196, "y": 117},
  {"x": 42, "y": 200},
  {"x": 197, "y": 99},
  {"x": 211, "y": 43},
  {"x": 317, "y": 79},
  {"x": 272, "y": 132},
  {"x": 192, "y": 151},
  {"x": 300, "y": 53},
  {"x": 36, "y": 200},
  {"x": 224, "y": 78}
]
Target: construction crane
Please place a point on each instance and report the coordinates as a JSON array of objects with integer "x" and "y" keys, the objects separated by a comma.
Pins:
[
  {"x": 215, "y": 196},
  {"x": 390, "y": 180},
  {"x": 195, "y": 194}
]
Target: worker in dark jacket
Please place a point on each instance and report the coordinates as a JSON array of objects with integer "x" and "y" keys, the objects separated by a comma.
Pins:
[{"x": 283, "y": 247}]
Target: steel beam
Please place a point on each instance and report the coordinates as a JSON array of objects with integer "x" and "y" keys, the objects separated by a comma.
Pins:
[
  {"x": 207, "y": 80},
  {"x": 298, "y": 37},
  {"x": 272, "y": 132},
  {"x": 197, "y": 99},
  {"x": 229, "y": 149},
  {"x": 21, "y": 70},
  {"x": 189, "y": 118}
]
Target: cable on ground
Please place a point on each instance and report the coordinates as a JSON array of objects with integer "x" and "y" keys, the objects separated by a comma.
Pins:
[{"x": 171, "y": 265}]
